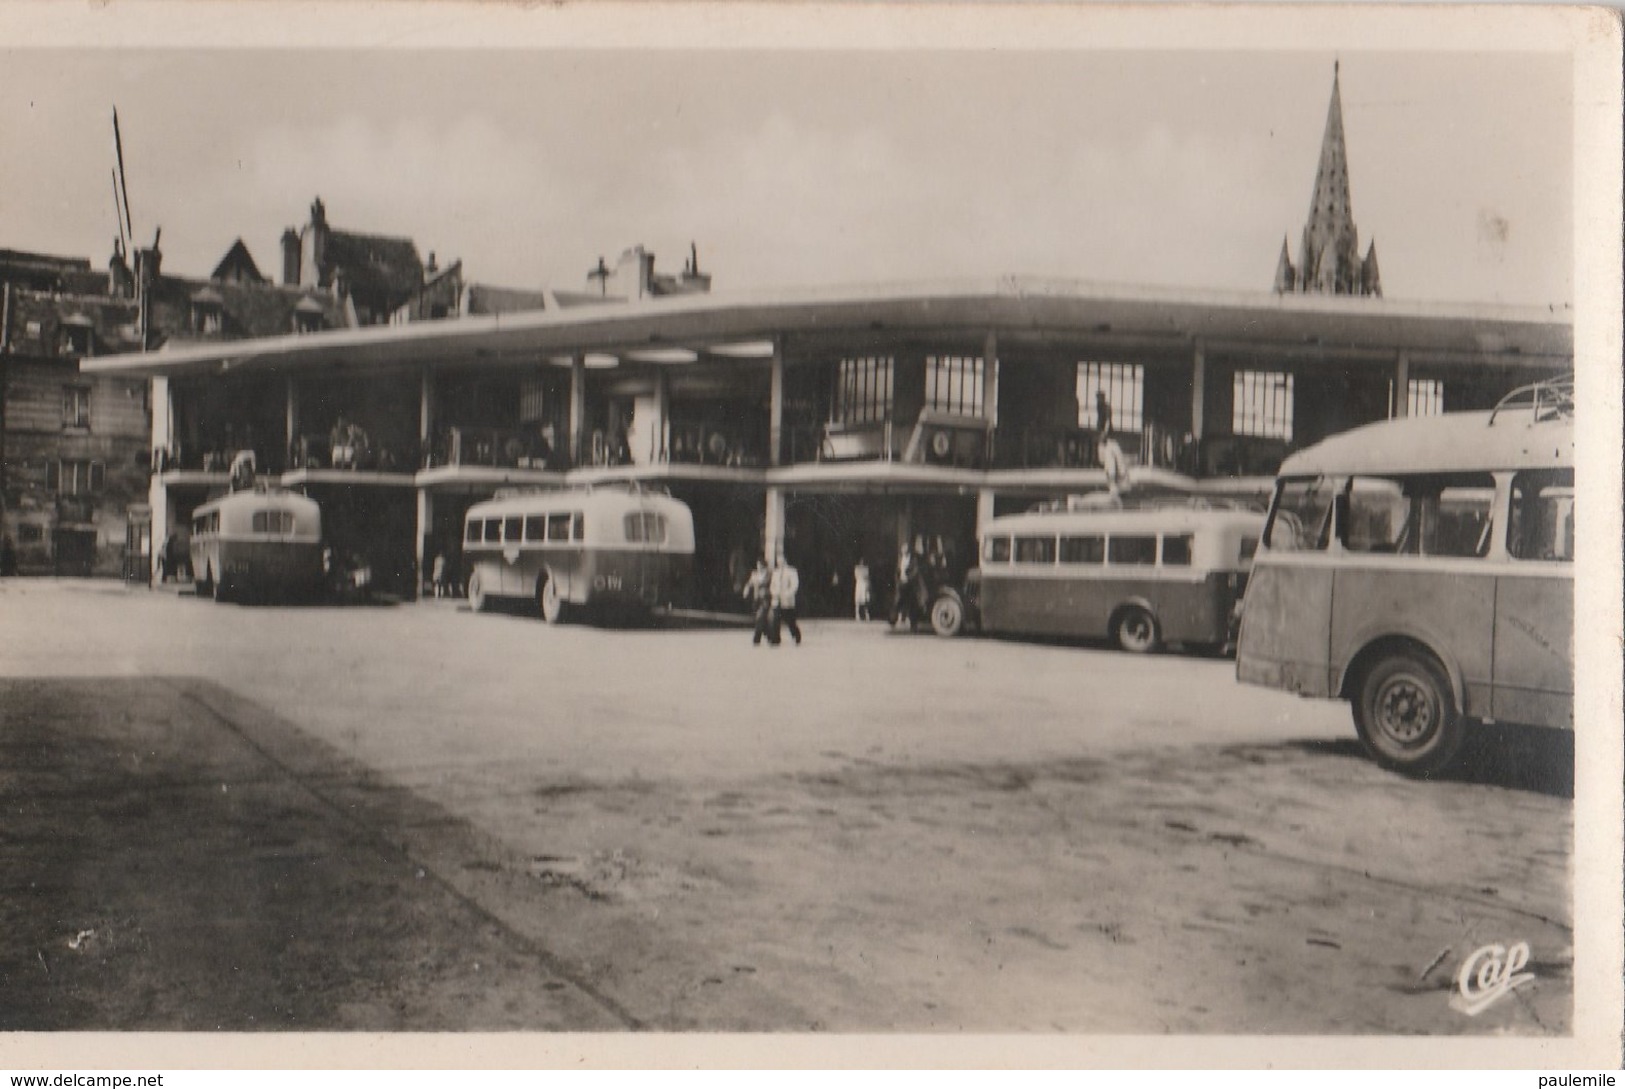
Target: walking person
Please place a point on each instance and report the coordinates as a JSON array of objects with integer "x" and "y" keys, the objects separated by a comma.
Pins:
[
  {"x": 785, "y": 584},
  {"x": 908, "y": 577},
  {"x": 759, "y": 592},
  {"x": 861, "y": 592}
]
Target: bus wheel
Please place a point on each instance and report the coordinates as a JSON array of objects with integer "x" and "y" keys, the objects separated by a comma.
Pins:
[
  {"x": 476, "y": 593},
  {"x": 1406, "y": 715},
  {"x": 947, "y": 616},
  {"x": 1136, "y": 630},
  {"x": 552, "y": 602}
]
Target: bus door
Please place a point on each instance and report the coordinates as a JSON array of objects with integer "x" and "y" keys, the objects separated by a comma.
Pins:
[
  {"x": 1534, "y": 604},
  {"x": 1415, "y": 564},
  {"x": 1287, "y": 622}
]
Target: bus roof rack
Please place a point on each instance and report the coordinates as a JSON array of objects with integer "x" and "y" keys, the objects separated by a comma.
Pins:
[
  {"x": 1106, "y": 501},
  {"x": 1550, "y": 399}
]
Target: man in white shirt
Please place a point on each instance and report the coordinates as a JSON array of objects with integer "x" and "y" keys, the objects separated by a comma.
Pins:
[{"x": 785, "y": 584}]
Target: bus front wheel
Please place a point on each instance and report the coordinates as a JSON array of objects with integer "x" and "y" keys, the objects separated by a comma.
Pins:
[
  {"x": 476, "y": 593},
  {"x": 552, "y": 602},
  {"x": 1406, "y": 714},
  {"x": 947, "y": 616},
  {"x": 1136, "y": 630}
]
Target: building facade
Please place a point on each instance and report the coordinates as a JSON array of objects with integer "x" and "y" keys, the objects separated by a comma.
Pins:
[
  {"x": 73, "y": 446},
  {"x": 832, "y": 423}
]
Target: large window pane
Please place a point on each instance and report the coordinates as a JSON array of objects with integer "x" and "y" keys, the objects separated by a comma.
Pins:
[
  {"x": 1263, "y": 405},
  {"x": 1300, "y": 521},
  {"x": 1121, "y": 385},
  {"x": 1541, "y": 520}
]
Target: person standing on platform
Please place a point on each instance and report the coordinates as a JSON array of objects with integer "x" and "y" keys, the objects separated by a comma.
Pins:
[
  {"x": 786, "y": 583},
  {"x": 861, "y": 592},
  {"x": 759, "y": 592}
]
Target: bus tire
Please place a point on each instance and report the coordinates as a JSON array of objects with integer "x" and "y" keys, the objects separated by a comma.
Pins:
[
  {"x": 552, "y": 603},
  {"x": 476, "y": 592},
  {"x": 1136, "y": 630},
  {"x": 947, "y": 616},
  {"x": 1406, "y": 714}
]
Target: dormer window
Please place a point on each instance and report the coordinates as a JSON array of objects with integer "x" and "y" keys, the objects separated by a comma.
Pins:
[
  {"x": 75, "y": 336},
  {"x": 208, "y": 313}
]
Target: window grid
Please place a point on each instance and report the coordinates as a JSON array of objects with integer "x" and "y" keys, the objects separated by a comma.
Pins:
[
  {"x": 75, "y": 406},
  {"x": 1263, "y": 405},
  {"x": 79, "y": 477},
  {"x": 1124, "y": 387},
  {"x": 953, "y": 383},
  {"x": 863, "y": 390},
  {"x": 1424, "y": 397}
]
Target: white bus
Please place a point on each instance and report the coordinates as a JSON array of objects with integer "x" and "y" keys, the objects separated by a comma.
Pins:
[
  {"x": 1142, "y": 576},
  {"x": 258, "y": 544},
  {"x": 1422, "y": 569},
  {"x": 565, "y": 550}
]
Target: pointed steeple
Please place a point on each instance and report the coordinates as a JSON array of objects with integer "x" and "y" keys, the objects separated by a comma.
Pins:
[
  {"x": 1286, "y": 277},
  {"x": 1330, "y": 262}
]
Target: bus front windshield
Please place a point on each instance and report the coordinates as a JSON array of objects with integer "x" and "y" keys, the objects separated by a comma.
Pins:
[{"x": 1300, "y": 515}]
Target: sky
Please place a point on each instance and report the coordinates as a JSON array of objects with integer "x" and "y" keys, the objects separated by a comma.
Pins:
[{"x": 804, "y": 168}]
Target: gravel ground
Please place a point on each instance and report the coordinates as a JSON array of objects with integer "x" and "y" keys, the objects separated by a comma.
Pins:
[{"x": 418, "y": 818}]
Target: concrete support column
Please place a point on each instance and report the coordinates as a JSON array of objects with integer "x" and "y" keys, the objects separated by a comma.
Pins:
[
  {"x": 773, "y": 522},
  {"x": 990, "y": 390},
  {"x": 163, "y": 438},
  {"x": 292, "y": 417},
  {"x": 1198, "y": 390},
  {"x": 984, "y": 509},
  {"x": 775, "y": 405},
  {"x": 425, "y": 524},
  {"x": 426, "y": 409},
  {"x": 1402, "y": 385},
  {"x": 578, "y": 407},
  {"x": 662, "y": 423}
]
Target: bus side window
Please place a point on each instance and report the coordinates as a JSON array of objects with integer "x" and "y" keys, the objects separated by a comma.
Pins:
[
  {"x": 1176, "y": 550},
  {"x": 1035, "y": 549},
  {"x": 493, "y": 530},
  {"x": 511, "y": 528},
  {"x": 578, "y": 526},
  {"x": 1541, "y": 518},
  {"x": 260, "y": 522},
  {"x": 536, "y": 528},
  {"x": 1140, "y": 551},
  {"x": 998, "y": 550},
  {"x": 471, "y": 532},
  {"x": 558, "y": 528},
  {"x": 1090, "y": 549}
]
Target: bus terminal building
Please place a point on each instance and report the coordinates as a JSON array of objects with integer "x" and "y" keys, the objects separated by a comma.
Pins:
[{"x": 830, "y": 423}]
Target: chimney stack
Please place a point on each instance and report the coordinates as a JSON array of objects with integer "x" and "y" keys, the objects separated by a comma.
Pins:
[{"x": 290, "y": 257}]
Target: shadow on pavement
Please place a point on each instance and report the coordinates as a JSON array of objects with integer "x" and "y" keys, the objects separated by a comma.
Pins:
[{"x": 1528, "y": 758}]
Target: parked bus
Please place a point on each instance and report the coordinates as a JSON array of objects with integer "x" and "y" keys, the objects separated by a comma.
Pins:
[
  {"x": 257, "y": 544},
  {"x": 1142, "y": 576},
  {"x": 1423, "y": 570},
  {"x": 569, "y": 550}
]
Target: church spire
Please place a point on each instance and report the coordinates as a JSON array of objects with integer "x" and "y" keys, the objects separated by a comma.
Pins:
[{"x": 1329, "y": 262}]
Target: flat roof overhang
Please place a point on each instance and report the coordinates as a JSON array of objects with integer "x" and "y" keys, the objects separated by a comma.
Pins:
[{"x": 1014, "y": 308}]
